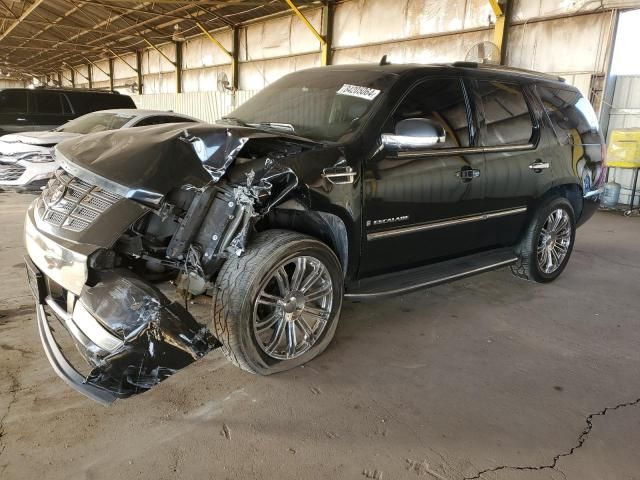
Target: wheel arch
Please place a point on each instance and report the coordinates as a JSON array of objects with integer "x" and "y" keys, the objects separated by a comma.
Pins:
[
  {"x": 325, "y": 227},
  {"x": 570, "y": 191}
]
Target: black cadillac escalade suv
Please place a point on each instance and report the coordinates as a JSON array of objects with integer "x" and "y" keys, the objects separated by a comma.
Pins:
[{"x": 354, "y": 181}]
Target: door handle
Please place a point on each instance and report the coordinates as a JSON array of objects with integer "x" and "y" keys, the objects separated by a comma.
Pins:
[
  {"x": 21, "y": 119},
  {"x": 467, "y": 174},
  {"x": 538, "y": 166},
  {"x": 339, "y": 175}
]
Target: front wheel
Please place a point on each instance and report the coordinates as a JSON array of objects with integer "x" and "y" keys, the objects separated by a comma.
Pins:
[
  {"x": 277, "y": 306},
  {"x": 546, "y": 247}
]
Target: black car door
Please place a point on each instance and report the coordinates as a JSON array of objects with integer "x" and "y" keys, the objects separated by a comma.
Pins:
[
  {"x": 14, "y": 107},
  {"x": 516, "y": 170},
  {"x": 49, "y": 110},
  {"x": 421, "y": 204}
]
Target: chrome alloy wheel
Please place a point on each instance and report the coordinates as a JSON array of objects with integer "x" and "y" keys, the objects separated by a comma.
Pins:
[
  {"x": 554, "y": 241},
  {"x": 293, "y": 307}
]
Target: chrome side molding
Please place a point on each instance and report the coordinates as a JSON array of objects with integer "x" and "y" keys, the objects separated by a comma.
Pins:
[{"x": 443, "y": 224}]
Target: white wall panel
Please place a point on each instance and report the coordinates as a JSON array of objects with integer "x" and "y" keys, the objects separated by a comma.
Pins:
[
  {"x": 201, "y": 52},
  {"x": 203, "y": 79},
  {"x": 98, "y": 75},
  {"x": 280, "y": 37},
  {"x": 8, "y": 83},
  {"x": 159, "y": 83},
  {"x": 206, "y": 106},
  {"x": 428, "y": 50},
  {"x": 66, "y": 78},
  {"x": 372, "y": 21},
  {"x": 101, "y": 85},
  {"x": 121, "y": 69},
  {"x": 576, "y": 44},
  {"x": 153, "y": 62},
  {"x": 259, "y": 74},
  {"x": 527, "y": 9}
]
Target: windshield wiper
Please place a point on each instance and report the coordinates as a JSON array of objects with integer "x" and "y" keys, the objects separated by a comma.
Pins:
[{"x": 274, "y": 125}]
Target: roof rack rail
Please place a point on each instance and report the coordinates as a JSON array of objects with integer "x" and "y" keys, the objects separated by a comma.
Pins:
[{"x": 504, "y": 68}]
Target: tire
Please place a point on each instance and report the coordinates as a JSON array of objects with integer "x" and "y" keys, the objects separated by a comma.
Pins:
[
  {"x": 530, "y": 264},
  {"x": 244, "y": 305}
]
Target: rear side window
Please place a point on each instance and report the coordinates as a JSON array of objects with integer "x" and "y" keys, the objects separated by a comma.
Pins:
[
  {"x": 506, "y": 114},
  {"x": 13, "y": 101},
  {"x": 568, "y": 111},
  {"x": 48, "y": 102},
  {"x": 92, "y": 102},
  {"x": 145, "y": 122},
  {"x": 441, "y": 100}
]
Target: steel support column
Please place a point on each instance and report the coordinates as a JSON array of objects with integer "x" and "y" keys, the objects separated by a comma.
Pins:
[
  {"x": 235, "y": 54},
  {"x": 111, "y": 75},
  {"x": 502, "y": 11},
  {"x": 327, "y": 32},
  {"x": 139, "y": 70},
  {"x": 178, "y": 66}
]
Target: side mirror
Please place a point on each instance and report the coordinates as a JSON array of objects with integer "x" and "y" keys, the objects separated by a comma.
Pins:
[{"x": 414, "y": 134}]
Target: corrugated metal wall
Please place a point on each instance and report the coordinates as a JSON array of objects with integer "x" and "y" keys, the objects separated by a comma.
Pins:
[
  {"x": 206, "y": 106},
  {"x": 4, "y": 83},
  {"x": 569, "y": 38}
]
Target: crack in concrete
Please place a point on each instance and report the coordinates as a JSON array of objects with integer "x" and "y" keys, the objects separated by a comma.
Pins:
[
  {"x": 552, "y": 466},
  {"x": 15, "y": 385}
]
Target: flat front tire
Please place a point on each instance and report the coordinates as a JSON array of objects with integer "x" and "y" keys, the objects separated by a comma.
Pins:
[{"x": 277, "y": 306}]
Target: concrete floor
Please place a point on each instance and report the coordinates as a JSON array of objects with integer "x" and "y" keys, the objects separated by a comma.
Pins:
[{"x": 490, "y": 377}]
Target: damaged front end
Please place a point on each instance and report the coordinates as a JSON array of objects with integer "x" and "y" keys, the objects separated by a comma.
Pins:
[{"x": 134, "y": 224}]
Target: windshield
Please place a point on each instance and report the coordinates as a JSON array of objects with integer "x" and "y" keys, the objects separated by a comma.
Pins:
[
  {"x": 96, "y": 122},
  {"x": 319, "y": 105}
]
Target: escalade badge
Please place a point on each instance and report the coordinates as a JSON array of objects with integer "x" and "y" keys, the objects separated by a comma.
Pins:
[{"x": 384, "y": 221}]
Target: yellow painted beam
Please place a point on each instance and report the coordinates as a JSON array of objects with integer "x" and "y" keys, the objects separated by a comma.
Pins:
[
  {"x": 497, "y": 9},
  {"x": 498, "y": 32},
  {"x": 158, "y": 50},
  {"x": 214, "y": 40},
  {"x": 321, "y": 39}
]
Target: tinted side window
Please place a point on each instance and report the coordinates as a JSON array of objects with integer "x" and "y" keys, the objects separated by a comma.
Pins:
[
  {"x": 568, "y": 110},
  {"x": 506, "y": 114},
  {"x": 13, "y": 101},
  {"x": 48, "y": 102},
  {"x": 155, "y": 120},
  {"x": 66, "y": 105},
  {"x": 441, "y": 100},
  {"x": 169, "y": 119}
]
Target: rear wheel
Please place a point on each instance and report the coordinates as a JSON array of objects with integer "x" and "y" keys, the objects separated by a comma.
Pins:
[
  {"x": 547, "y": 245},
  {"x": 277, "y": 306}
]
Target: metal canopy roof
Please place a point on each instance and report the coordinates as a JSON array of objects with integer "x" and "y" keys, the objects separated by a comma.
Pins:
[{"x": 38, "y": 37}]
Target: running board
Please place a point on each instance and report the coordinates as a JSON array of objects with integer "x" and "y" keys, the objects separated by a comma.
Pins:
[{"x": 431, "y": 275}]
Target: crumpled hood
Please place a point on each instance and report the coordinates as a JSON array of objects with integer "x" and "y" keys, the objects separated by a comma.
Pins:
[
  {"x": 146, "y": 163},
  {"x": 43, "y": 139}
]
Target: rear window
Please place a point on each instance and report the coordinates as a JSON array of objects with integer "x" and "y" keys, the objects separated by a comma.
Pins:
[
  {"x": 568, "y": 111},
  {"x": 13, "y": 101},
  {"x": 48, "y": 102},
  {"x": 506, "y": 114}
]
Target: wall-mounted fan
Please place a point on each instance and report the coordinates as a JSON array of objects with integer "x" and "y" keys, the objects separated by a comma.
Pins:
[
  {"x": 223, "y": 83},
  {"x": 484, "y": 52}
]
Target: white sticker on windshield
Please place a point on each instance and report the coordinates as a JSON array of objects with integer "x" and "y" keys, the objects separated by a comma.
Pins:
[{"x": 360, "y": 92}]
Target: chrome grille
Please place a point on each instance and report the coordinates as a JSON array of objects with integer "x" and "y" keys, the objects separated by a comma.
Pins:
[
  {"x": 70, "y": 203},
  {"x": 11, "y": 172}
]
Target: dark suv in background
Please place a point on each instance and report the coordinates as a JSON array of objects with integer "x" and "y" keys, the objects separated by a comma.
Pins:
[
  {"x": 26, "y": 109},
  {"x": 357, "y": 181}
]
